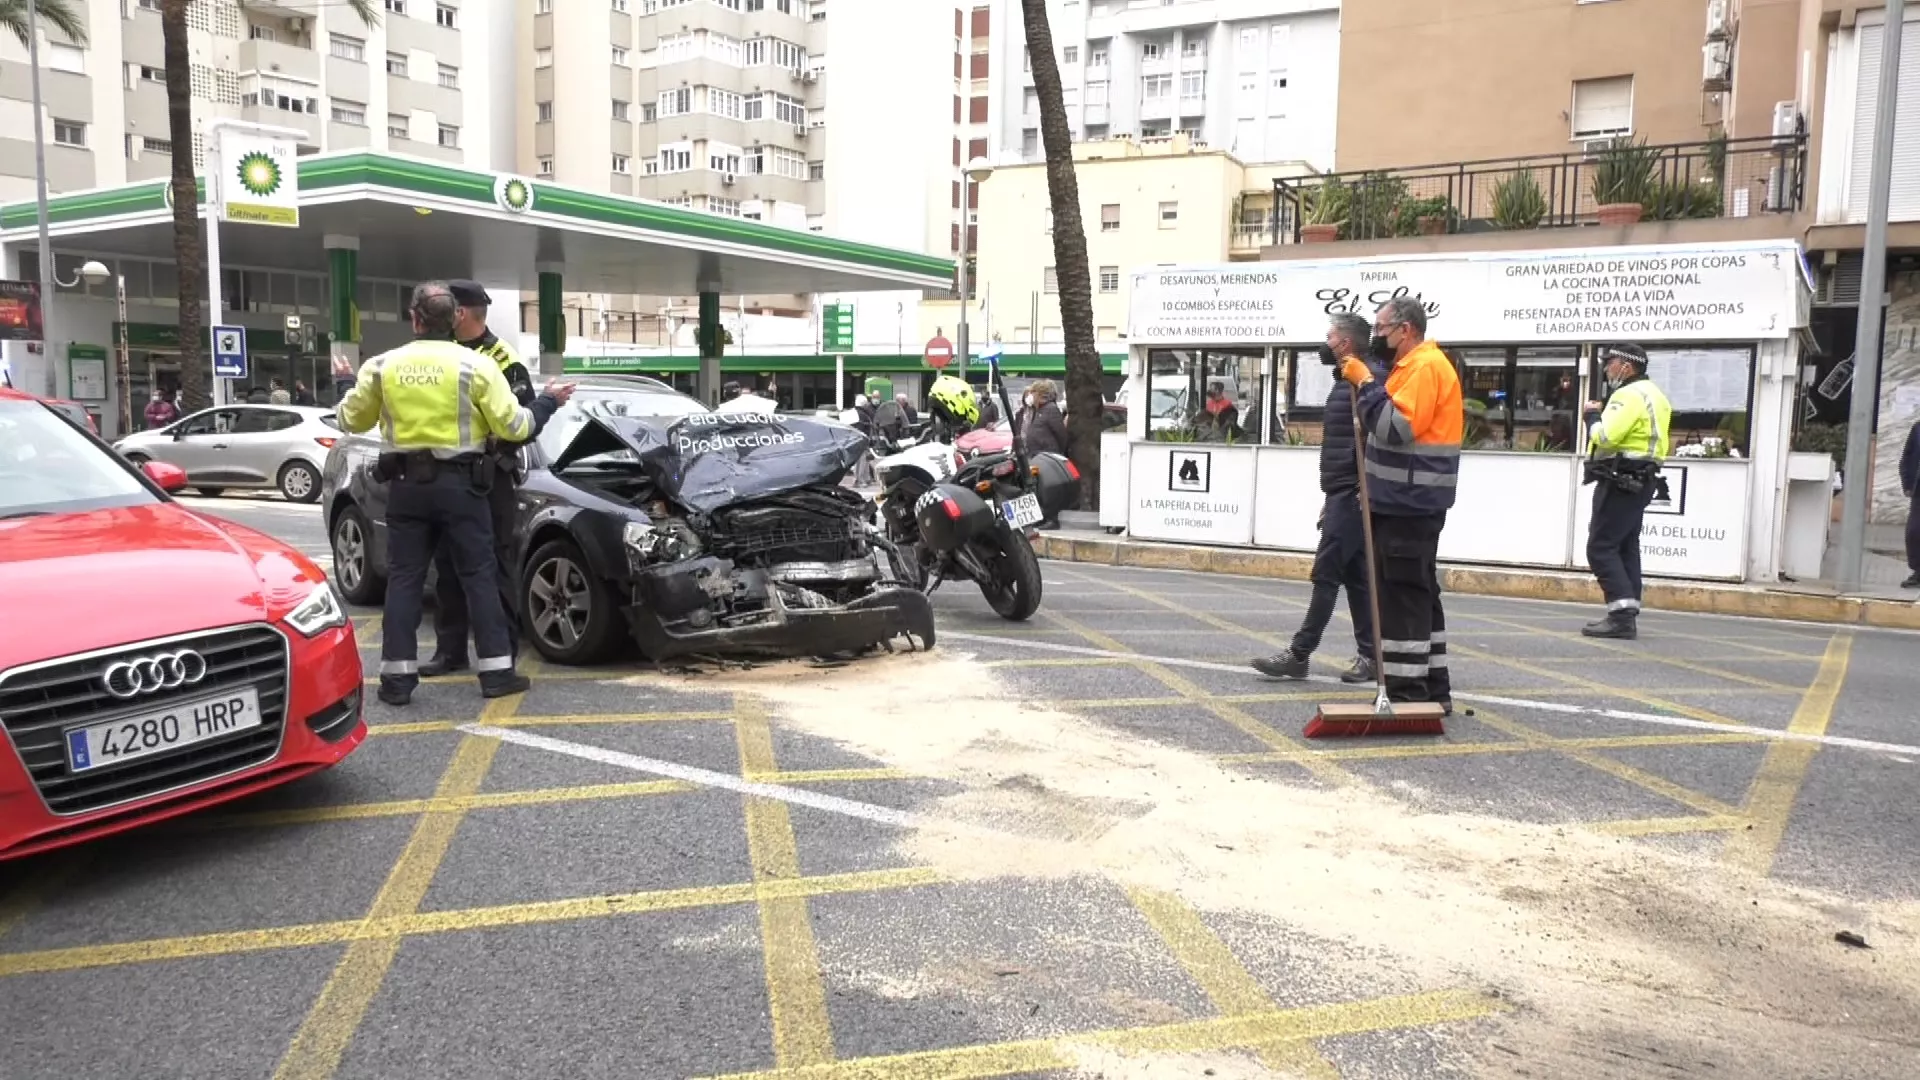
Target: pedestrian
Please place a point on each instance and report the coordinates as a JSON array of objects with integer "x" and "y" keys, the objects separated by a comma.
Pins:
[
  {"x": 1625, "y": 445},
  {"x": 259, "y": 395},
  {"x": 907, "y": 409},
  {"x": 160, "y": 412},
  {"x": 278, "y": 394},
  {"x": 1043, "y": 429},
  {"x": 1342, "y": 556},
  {"x": 1413, "y": 426},
  {"x": 1221, "y": 417},
  {"x": 302, "y": 395},
  {"x": 1910, "y": 483},
  {"x": 436, "y": 403},
  {"x": 450, "y": 617}
]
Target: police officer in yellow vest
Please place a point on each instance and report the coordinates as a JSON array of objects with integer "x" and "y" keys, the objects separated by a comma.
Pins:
[
  {"x": 450, "y": 619},
  {"x": 436, "y": 403},
  {"x": 1625, "y": 444}
]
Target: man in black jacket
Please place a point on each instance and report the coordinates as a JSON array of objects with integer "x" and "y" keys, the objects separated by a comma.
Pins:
[
  {"x": 1910, "y": 483},
  {"x": 1342, "y": 558}
]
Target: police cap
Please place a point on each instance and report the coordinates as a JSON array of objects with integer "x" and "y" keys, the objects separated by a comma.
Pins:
[
  {"x": 469, "y": 294},
  {"x": 1632, "y": 354}
]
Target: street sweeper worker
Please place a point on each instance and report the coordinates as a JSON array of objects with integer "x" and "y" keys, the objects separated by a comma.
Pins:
[
  {"x": 1413, "y": 426},
  {"x": 1626, "y": 441}
]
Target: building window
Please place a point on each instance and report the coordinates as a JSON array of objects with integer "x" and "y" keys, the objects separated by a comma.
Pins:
[
  {"x": 444, "y": 15},
  {"x": 139, "y": 73},
  {"x": 648, "y": 112},
  {"x": 1071, "y": 54},
  {"x": 397, "y": 7},
  {"x": 1155, "y": 89},
  {"x": 676, "y": 158},
  {"x": 67, "y": 58},
  {"x": 396, "y": 125},
  {"x": 1049, "y": 281},
  {"x": 543, "y": 112},
  {"x": 1194, "y": 49},
  {"x": 723, "y": 159},
  {"x": 677, "y": 102},
  {"x": 1603, "y": 108},
  {"x": 1097, "y": 58},
  {"x": 349, "y": 112},
  {"x": 1030, "y": 101},
  {"x": 543, "y": 7},
  {"x": 347, "y": 48},
  {"x": 1169, "y": 214},
  {"x": 1109, "y": 279},
  {"x": 1193, "y": 87},
  {"x": 69, "y": 133},
  {"x": 542, "y": 58},
  {"x": 260, "y": 33},
  {"x": 622, "y": 164},
  {"x": 397, "y": 64},
  {"x": 717, "y": 205},
  {"x": 544, "y": 166},
  {"x": 1030, "y": 142},
  {"x": 619, "y": 109},
  {"x": 816, "y": 170},
  {"x": 620, "y": 6},
  {"x": 723, "y": 103},
  {"x": 619, "y": 56},
  {"x": 449, "y": 76},
  {"x": 1110, "y": 217},
  {"x": 450, "y": 136},
  {"x": 1150, "y": 52}
]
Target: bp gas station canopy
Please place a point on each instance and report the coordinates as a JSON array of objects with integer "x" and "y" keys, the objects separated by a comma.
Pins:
[{"x": 419, "y": 220}]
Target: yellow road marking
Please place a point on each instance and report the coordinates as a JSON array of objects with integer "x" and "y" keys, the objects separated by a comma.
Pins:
[
  {"x": 328, "y": 1029},
  {"x": 1776, "y": 786},
  {"x": 1220, "y": 975},
  {"x": 796, "y": 992},
  {"x": 1504, "y": 746},
  {"x": 442, "y": 922},
  {"x": 1646, "y": 656},
  {"x": 1597, "y": 688},
  {"x": 313, "y": 815},
  {"x": 1194, "y": 1036},
  {"x": 1668, "y": 825},
  {"x": 424, "y": 727},
  {"x": 1661, "y": 786},
  {"x": 1077, "y": 661},
  {"x": 833, "y": 776}
]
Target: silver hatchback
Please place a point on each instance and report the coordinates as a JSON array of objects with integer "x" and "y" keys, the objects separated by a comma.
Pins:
[{"x": 243, "y": 446}]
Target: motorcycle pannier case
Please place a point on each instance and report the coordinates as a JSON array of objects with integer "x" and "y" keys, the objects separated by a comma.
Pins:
[
  {"x": 950, "y": 515},
  {"x": 1058, "y": 484}
]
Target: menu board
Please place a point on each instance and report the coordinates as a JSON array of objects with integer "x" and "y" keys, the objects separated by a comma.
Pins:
[{"x": 1702, "y": 380}]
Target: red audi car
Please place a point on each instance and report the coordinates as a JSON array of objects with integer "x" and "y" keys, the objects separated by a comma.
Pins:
[{"x": 152, "y": 661}]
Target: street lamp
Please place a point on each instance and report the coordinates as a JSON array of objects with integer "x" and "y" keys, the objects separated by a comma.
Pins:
[{"x": 976, "y": 172}]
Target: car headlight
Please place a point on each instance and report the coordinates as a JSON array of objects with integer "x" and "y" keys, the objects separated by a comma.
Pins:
[{"x": 319, "y": 611}]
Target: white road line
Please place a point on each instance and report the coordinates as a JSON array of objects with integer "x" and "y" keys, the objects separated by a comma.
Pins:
[{"x": 1486, "y": 699}]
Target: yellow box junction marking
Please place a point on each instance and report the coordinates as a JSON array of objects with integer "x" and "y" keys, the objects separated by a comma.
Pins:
[{"x": 1776, "y": 786}]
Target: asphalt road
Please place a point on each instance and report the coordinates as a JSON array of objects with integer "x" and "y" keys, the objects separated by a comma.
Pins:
[{"x": 1092, "y": 844}]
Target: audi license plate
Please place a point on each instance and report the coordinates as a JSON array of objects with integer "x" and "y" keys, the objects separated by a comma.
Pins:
[
  {"x": 1022, "y": 511},
  {"x": 157, "y": 732}
]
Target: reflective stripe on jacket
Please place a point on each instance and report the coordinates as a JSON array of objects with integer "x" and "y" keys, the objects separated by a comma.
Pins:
[
  {"x": 1414, "y": 426},
  {"x": 1637, "y": 423},
  {"x": 438, "y": 396}
]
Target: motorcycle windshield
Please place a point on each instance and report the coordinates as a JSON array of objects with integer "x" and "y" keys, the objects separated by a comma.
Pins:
[{"x": 708, "y": 461}]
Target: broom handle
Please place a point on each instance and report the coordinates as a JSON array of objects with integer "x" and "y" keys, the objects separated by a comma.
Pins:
[{"x": 1366, "y": 531}]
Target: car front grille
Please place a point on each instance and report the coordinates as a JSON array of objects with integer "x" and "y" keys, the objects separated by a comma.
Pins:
[{"x": 38, "y": 705}]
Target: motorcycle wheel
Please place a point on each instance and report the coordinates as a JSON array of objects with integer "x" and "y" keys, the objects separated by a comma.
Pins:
[{"x": 1014, "y": 588}]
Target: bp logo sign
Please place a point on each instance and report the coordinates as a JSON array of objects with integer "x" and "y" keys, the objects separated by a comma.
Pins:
[
  {"x": 256, "y": 180},
  {"x": 514, "y": 194},
  {"x": 259, "y": 175}
]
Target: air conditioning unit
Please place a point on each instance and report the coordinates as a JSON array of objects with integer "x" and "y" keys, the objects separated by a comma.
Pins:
[
  {"x": 297, "y": 24},
  {"x": 1719, "y": 23},
  {"x": 1786, "y": 119},
  {"x": 1594, "y": 147},
  {"x": 726, "y": 179},
  {"x": 1716, "y": 66},
  {"x": 809, "y": 76}
]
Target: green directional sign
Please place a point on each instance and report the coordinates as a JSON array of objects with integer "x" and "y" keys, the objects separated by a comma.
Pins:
[{"x": 836, "y": 328}]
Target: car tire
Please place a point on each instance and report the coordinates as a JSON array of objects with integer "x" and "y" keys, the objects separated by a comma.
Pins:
[
  {"x": 570, "y": 613},
  {"x": 211, "y": 493},
  {"x": 351, "y": 539},
  {"x": 299, "y": 482}
]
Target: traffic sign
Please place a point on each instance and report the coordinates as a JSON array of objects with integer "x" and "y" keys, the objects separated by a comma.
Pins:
[
  {"x": 230, "y": 352},
  {"x": 939, "y": 352},
  {"x": 836, "y": 328}
]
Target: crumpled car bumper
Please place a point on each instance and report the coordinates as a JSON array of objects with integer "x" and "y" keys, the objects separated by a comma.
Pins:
[{"x": 785, "y": 631}]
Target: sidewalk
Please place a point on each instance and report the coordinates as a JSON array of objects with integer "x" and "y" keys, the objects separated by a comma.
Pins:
[{"x": 1081, "y": 540}]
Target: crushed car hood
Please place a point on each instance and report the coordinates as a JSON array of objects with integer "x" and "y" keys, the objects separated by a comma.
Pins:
[{"x": 709, "y": 461}]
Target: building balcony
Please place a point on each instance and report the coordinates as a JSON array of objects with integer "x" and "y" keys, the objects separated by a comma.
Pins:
[
  {"x": 1717, "y": 179},
  {"x": 279, "y": 58},
  {"x": 287, "y": 9}
]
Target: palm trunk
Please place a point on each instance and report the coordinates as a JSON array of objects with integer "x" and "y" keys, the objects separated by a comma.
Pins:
[
  {"x": 1085, "y": 400},
  {"x": 187, "y": 248}
]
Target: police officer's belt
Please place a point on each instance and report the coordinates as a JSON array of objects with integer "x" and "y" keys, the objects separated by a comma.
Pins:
[
  {"x": 422, "y": 467},
  {"x": 1631, "y": 475}
]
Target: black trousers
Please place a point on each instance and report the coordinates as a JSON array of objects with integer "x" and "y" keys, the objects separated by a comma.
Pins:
[
  {"x": 1413, "y": 628},
  {"x": 1913, "y": 533},
  {"x": 1341, "y": 562},
  {"x": 450, "y": 619},
  {"x": 1613, "y": 544},
  {"x": 420, "y": 517}
]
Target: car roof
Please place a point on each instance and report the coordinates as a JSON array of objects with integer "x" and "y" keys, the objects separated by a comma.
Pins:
[{"x": 8, "y": 393}]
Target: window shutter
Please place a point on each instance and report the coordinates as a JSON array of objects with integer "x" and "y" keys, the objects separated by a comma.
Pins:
[
  {"x": 1904, "y": 205},
  {"x": 1602, "y": 107}
]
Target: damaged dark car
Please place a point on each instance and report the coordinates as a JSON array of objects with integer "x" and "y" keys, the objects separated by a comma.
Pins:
[{"x": 646, "y": 518}]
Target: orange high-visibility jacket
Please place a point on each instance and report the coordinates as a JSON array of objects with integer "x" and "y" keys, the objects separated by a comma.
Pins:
[{"x": 1414, "y": 426}]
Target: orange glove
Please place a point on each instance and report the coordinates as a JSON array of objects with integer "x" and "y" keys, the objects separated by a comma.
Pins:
[{"x": 1355, "y": 371}]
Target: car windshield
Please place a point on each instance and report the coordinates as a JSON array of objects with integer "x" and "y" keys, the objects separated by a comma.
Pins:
[
  {"x": 611, "y": 401},
  {"x": 46, "y": 467}
]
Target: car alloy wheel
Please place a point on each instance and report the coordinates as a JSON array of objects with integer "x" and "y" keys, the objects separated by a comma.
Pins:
[
  {"x": 561, "y": 603},
  {"x": 349, "y": 552},
  {"x": 298, "y": 482}
]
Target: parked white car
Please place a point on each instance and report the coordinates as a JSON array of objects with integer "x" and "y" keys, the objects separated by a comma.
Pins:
[{"x": 243, "y": 446}]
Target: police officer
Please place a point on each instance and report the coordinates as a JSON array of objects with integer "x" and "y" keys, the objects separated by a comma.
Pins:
[
  {"x": 436, "y": 404},
  {"x": 1625, "y": 444},
  {"x": 450, "y": 620}
]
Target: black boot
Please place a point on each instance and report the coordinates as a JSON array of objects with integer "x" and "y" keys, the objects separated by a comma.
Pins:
[
  {"x": 397, "y": 690},
  {"x": 1285, "y": 665},
  {"x": 1912, "y": 582},
  {"x": 494, "y": 684},
  {"x": 442, "y": 664},
  {"x": 1622, "y": 625},
  {"x": 1360, "y": 672}
]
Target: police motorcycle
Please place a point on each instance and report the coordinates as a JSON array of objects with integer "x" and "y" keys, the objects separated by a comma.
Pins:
[{"x": 971, "y": 516}]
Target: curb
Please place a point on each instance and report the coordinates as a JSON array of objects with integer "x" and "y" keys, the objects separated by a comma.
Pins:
[{"x": 1662, "y": 595}]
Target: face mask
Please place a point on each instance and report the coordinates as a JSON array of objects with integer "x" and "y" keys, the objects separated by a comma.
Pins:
[
  {"x": 1327, "y": 357},
  {"x": 1380, "y": 348}
]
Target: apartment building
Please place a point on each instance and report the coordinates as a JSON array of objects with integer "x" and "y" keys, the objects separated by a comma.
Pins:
[
  {"x": 425, "y": 79},
  {"x": 1257, "y": 78}
]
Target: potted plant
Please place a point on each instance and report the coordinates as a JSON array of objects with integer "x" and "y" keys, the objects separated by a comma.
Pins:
[
  {"x": 1373, "y": 203},
  {"x": 1518, "y": 202},
  {"x": 1323, "y": 210},
  {"x": 1431, "y": 216},
  {"x": 1623, "y": 180}
]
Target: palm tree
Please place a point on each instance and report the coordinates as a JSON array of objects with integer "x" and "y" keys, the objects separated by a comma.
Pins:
[
  {"x": 59, "y": 14},
  {"x": 187, "y": 248},
  {"x": 1085, "y": 401}
]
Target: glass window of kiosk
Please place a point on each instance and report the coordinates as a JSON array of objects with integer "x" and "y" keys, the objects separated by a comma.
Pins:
[
  {"x": 1300, "y": 401},
  {"x": 1711, "y": 389},
  {"x": 1523, "y": 398},
  {"x": 1204, "y": 395}
]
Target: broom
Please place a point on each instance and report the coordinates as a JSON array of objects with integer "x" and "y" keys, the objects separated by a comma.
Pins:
[{"x": 1383, "y": 717}]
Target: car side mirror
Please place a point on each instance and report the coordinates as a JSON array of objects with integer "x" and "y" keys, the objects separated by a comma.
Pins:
[{"x": 168, "y": 478}]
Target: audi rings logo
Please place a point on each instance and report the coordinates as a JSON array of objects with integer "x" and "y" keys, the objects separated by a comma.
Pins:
[{"x": 152, "y": 674}]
